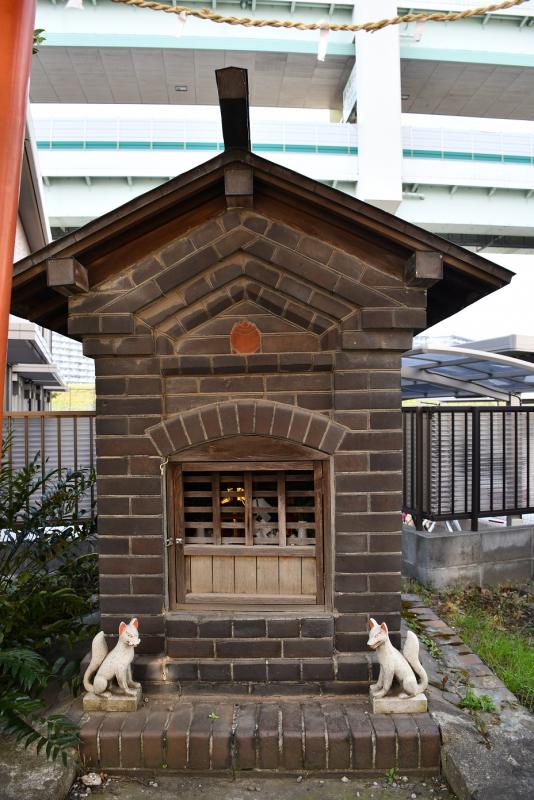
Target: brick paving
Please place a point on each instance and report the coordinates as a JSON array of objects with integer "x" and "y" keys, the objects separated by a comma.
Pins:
[{"x": 222, "y": 734}]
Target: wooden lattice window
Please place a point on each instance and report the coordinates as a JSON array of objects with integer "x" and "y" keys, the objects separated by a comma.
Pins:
[{"x": 249, "y": 529}]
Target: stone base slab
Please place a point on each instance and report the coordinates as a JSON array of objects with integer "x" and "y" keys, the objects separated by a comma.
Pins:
[
  {"x": 117, "y": 702},
  {"x": 393, "y": 704}
]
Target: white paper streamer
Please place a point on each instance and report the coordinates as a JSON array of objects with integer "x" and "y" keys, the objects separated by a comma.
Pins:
[
  {"x": 182, "y": 19},
  {"x": 324, "y": 33},
  {"x": 77, "y": 4}
]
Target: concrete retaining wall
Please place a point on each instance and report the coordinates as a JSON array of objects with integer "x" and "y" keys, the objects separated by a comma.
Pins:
[{"x": 482, "y": 558}]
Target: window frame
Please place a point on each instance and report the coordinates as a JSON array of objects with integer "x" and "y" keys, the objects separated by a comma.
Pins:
[{"x": 178, "y": 549}]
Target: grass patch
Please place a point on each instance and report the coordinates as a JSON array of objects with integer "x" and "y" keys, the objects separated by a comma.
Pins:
[
  {"x": 498, "y": 624},
  {"x": 508, "y": 654},
  {"x": 476, "y": 702}
]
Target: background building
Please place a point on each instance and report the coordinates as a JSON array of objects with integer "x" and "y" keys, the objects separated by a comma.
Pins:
[
  {"x": 432, "y": 121},
  {"x": 31, "y": 374}
]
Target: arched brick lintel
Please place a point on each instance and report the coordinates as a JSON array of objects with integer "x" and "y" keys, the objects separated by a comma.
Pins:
[{"x": 246, "y": 417}]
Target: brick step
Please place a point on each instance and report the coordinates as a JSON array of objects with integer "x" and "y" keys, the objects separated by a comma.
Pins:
[
  {"x": 288, "y": 736},
  {"x": 339, "y": 672},
  {"x": 242, "y": 637}
]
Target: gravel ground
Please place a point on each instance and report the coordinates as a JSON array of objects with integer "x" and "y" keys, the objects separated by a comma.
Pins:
[{"x": 190, "y": 788}]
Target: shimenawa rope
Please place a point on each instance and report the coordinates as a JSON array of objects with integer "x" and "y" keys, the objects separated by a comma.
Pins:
[{"x": 249, "y": 22}]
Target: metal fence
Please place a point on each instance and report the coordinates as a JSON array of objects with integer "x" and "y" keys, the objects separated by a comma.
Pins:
[
  {"x": 467, "y": 462},
  {"x": 59, "y": 439},
  {"x": 458, "y": 463}
]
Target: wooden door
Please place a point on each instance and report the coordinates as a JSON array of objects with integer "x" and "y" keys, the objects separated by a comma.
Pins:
[{"x": 247, "y": 533}]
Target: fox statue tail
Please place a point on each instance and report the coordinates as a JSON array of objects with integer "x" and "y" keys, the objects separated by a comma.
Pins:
[
  {"x": 411, "y": 654},
  {"x": 99, "y": 651}
]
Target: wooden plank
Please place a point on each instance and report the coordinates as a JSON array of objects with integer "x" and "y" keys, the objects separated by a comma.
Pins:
[
  {"x": 327, "y": 595},
  {"x": 216, "y": 500},
  {"x": 245, "y": 575},
  {"x": 223, "y": 574},
  {"x": 309, "y": 576},
  {"x": 201, "y": 574},
  {"x": 232, "y": 86},
  {"x": 170, "y": 535},
  {"x": 267, "y": 575},
  {"x": 177, "y": 531},
  {"x": 237, "y": 466},
  {"x": 290, "y": 570},
  {"x": 249, "y": 599},
  {"x": 242, "y": 550},
  {"x": 238, "y": 448},
  {"x": 187, "y": 574},
  {"x": 318, "y": 488},
  {"x": 249, "y": 533},
  {"x": 281, "y": 509}
]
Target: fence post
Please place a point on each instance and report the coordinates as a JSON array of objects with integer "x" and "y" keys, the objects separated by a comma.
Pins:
[
  {"x": 475, "y": 470},
  {"x": 418, "y": 455}
]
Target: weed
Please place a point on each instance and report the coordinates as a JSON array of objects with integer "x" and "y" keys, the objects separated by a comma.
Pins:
[
  {"x": 413, "y": 623},
  {"x": 391, "y": 775},
  {"x": 496, "y": 622},
  {"x": 476, "y": 702}
]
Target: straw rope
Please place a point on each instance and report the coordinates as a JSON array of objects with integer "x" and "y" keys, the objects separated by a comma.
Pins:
[{"x": 248, "y": 22}]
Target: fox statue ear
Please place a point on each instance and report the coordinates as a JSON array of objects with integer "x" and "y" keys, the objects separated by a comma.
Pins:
[
  {"x": 384, "y": 627},
  {"x": 372, "y": 623},
  {"x": 134, "y": 622},
  {"x": 122, "y": 626}
]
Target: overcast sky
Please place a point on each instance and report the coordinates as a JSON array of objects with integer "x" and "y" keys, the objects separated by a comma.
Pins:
[{"x": 509, "y": 310}]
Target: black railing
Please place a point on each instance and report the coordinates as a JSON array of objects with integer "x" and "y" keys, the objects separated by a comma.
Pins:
[{"x": 467, "y": 462}]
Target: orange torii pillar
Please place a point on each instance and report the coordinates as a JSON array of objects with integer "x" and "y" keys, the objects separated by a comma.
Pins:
[{"x": 17, "y": 18}]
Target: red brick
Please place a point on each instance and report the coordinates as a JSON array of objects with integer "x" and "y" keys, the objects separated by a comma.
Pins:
[
  {"x": 190, "y": 648},
  {"x": 245, "y": 736},
  {"x": 147, "y": 565},
  {"x": 307, "y": 648},
  {"x": 314, "y": 737},
  {"x": 338, "y": 739},
  {"x": 131, "y": 754},
  {"x": 89, "y": 740},
  {"x": 246, "y": 649},
  {"x": 429, "y": 740},
  {"x": 292, "y": 756},
  {"x": 153, "y": 740},
  {"x": 249, "y": 628},
  {"x": 317, "y": 669},
  {"x": 281, "y": 421},
  {"x": 282, "y": 670},
  {"x": 228, "y": 415},
  {"x": 111, "y": 546},
  {"x": 109, "y": 739},
  {"x": 254, "y": 670},
  {"x": 268, "y": 737},
  {"x": 408, "y": 741},
  {"x": 362, "y": 742},
  {"x": 199, "y": 738},
  {"x": 221, "y": 751},
  {"x": 385, "y": 742}
]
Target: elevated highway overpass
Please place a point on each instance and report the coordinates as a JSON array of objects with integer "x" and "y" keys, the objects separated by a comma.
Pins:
[{"x": 472, "y": 184}]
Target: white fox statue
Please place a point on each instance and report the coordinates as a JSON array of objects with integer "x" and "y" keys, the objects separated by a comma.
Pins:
[
  {"x": 394, "y": 664},
  {"x": 115, "y": 664}
]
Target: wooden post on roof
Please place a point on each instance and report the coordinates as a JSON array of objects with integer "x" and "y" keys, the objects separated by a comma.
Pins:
[
  {"x": 16, "y": 43},
  {"x": 232, "y": 85}
]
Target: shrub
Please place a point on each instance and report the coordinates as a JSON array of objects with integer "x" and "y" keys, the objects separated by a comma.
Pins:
[{"x": 47, "y": 588}]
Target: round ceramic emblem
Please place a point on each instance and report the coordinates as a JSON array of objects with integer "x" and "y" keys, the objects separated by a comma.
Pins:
[{"x": 245, "y": 338}]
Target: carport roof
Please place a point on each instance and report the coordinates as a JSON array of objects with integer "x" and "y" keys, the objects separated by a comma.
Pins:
[{"x": 433, "y": 372}]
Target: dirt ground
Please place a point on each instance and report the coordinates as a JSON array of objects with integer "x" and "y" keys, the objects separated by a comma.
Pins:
[{"x": 168, "y": 787}]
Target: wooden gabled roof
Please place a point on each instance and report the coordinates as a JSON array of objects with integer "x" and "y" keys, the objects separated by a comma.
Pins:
[{"x": 112, "y": 242}]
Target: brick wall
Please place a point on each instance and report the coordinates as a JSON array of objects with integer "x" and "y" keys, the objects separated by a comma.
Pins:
[{"x": 333, "y": 326}]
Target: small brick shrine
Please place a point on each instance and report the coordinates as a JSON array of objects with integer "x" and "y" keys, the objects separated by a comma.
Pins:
[{"x": 247, "y": 326}]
